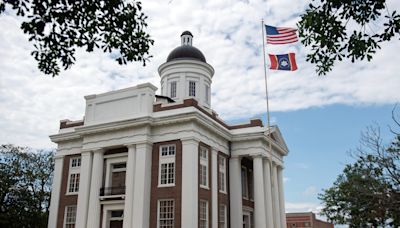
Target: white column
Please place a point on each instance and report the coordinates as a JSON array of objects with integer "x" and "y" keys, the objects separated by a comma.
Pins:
[
  {"x": 275, "y": 197},
  {"x": 259, "y": 196},
  {"x": 214, "y": 186},
  {"x": 84, "y": 189},
  {"x": 190, "y": 183},
  {"x": 235, "y": 185},
  {"x": 55, "y": 191},
  {"x": 281, "y": 196},
  {"x": 268, "y": 194},
  {"x": 142, "y": 186},
  {"x": 129, "y": 183},
  {"x": 95, "y": 185}
]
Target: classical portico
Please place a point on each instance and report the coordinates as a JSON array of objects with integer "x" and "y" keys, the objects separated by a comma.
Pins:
[{"x": 267, "y": 169}]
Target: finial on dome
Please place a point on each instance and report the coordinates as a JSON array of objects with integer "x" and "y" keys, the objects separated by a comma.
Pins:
[{"x": 186, "y": 38}]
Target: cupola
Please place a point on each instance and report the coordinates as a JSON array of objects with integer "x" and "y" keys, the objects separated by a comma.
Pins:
[{"x": 186, "y": 73}]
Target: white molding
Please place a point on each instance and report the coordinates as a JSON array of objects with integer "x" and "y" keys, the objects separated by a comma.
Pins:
[
  {"x": 110, "y": 207},
  {"x": 166, "y": 160},
  {"x": 109, "y": 163}
]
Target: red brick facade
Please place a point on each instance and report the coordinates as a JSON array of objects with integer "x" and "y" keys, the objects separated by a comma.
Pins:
[
  {"x": 174, "y": 192},
  {"x": 305, "y": 220}
]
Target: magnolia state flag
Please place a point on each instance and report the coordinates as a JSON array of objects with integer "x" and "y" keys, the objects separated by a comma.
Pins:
[
  {"x": 283, "y": 62},
  {"x": 280, "y": 35}
]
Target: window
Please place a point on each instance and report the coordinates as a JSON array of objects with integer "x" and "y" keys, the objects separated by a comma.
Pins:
[
  {"x": 222, "y": 174},
  {"x": 203, "y": 167},
  {"x": 192, "y": 88},
  {"x": 70, "y": 216},
  {"x": 207, "y": 94},
  {"x": 203, "y": 214},
  {"x": 173, "y": 89},
  {"x": 250, "y": 184},
  {"x": 74, "y": 182},
  {"x": 75, "y": 162},
  {"x": 74, "y": 175},
  {"x": 117, "y": 214},
  {"x": 245, "y": 189},
  {"x": 165, "y": 214},
  {"x": 252, "y": 224},
  {"x": 222, "y": 216},
  {"x": 119, "y": 167},
  {"x": 167, "y": 165}
]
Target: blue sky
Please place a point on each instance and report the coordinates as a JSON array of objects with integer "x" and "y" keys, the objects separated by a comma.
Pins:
[
  {"x": 321, "y": 117},
  {"x": 319, "y": 140}
]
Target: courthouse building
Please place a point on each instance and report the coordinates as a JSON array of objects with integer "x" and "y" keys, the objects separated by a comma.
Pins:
[{"x": 140, "y": 160}]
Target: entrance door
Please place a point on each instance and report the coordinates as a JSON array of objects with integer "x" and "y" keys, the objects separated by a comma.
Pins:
[
  {"x": 246, "y": 220},
  {"x": 115, "y": 224}
]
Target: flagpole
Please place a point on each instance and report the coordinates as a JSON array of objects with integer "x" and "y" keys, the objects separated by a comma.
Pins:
[{"x": 266, "y": 85}]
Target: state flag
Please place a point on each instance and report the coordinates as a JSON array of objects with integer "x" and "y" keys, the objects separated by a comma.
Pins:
[{"x": 283, "y": 62}]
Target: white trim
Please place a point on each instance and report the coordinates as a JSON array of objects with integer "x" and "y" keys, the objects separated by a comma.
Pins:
[
  {"x": 222, "y": 170},
  {"x": 173, "y": 211},
  {"x": 170, "y": 83},
  {"x": 225, "y": 215},
  {"x": 109, "y": 162},
  {"x": 204, "y": 162},
  {"x": 74, "y": 170},
  {"x": 65, "y": 215},
  {"x": 247, "y": 211},
  {"x": 192, "y": 92},
  {"x": 206, "y": 212},
  {"x": 111, "y": 207},
  {"x": 166, "y": 159}
]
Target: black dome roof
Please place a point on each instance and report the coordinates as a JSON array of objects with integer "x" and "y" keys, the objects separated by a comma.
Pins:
[
  {"x": 186, "y": 33},
  {"x": 186, "y": 52}
]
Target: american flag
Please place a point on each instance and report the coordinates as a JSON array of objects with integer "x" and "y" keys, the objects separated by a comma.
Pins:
[{"x": 280, "y": 35}]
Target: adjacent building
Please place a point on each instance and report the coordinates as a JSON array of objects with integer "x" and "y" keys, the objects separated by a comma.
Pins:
[
  {"x": 139, "y": 159},
  {"x": 305, "y": 220}
]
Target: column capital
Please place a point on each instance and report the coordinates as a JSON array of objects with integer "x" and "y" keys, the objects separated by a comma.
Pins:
[
  {"x": 190, "y": 140},
  {"x": 143, "y": 144},
  {"x": 257, "y": 156},
  {"x": 86, "y": 152},
  {"x": 276, "y": 162},
  {"x": 130, "y": 145},
  {"x": 98, "y": 150},
  {"x": 93, "y": 150},
  {"x": 235, "y": 158},
  {"x": 57, "y": 156}
]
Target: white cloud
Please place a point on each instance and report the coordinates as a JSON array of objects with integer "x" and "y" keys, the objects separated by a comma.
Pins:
[
  {"x": 227, "y": 32},
  {"x": 303, "y": 207},
  {"x": 286, "y": 179},
  {"x": 310, "y": 191}
]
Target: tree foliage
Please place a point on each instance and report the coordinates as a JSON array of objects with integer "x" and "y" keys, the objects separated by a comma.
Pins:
[
  {"x": 57, "y": 27},
  {"x": 367, "y": 193},
  {"x": 25, "y": 177},
  {"x": 338, "y": 29}
]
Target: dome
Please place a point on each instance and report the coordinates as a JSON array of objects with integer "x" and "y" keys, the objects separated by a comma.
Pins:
[
  {"x": 186, "y": 33},
  {"x": 186, "y": 52}
]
